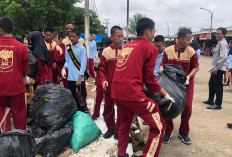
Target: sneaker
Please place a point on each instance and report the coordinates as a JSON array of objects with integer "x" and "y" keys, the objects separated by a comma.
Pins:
[
  {"x": 185, "y": 139},
  {"x": 229, "y": 125},
  {"x": 126, "y": 155},
  {"x": 93, "y": 118},
  {"x": 109, "y": 134},
  {"x": 116, "y": 138},
  {"x": 166, "y": 138}
]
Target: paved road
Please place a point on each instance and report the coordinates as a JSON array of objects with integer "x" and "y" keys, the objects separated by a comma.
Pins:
[{"x": 209, "y": 133}]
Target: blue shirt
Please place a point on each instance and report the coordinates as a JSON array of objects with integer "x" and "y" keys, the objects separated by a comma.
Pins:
[
  {"x": 229, "y": 61},
  {"x": 198, "y": 53},
  {"x": 80, "y": 53},
  {"x": 157, "y": 64},
  {"x": 92, "y": 49}
]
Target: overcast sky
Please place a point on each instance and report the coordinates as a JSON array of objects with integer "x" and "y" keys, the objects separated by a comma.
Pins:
[{"x": 175, "y": 12}]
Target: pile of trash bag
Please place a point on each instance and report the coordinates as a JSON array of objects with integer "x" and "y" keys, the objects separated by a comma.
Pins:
[
  {"x": 51, "y": 144},
  {"x": 85, "y": 131},
  {"x": 171, "y": 80},
  {"x": 16, "y": 143},
  {"x": 51, "y": 111},
  {"x": 52, "y": 106}
]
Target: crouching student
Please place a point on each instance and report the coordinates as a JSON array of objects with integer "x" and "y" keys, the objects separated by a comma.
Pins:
[{"x": 74, "y": 53}]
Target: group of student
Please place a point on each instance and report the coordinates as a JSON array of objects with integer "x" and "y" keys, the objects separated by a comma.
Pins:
[{"x": 120, "y": 76}]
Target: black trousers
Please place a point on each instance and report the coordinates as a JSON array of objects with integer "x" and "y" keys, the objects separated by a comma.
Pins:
[
  {"x": 216, "y": 87},
  {"x": 72, "y": 86}
]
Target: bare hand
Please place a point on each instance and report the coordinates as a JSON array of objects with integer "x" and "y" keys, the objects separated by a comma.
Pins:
[
  {"x": 105, "y": 84},
  {"x": 78, "y": 82},
  {"x": 54, "y": 66},
  {"x": 214, "y": 72}
]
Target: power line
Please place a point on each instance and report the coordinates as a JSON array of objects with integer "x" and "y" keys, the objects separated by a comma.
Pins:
[{"x": 182, "y": 13}]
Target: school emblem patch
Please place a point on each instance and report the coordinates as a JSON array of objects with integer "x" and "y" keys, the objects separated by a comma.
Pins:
[
  {"x": 6, "y": 59},
  {"x": 123, "y": 57}
]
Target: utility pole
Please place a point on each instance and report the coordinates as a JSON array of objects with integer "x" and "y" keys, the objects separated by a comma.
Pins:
[
  {"x": 107, "y": 25},
  {"x": 211, "y": 22},
  {"x": 168, "y": 30},
  {"x": 87, "y": 26},
  {"x": 127, "y": 20}
]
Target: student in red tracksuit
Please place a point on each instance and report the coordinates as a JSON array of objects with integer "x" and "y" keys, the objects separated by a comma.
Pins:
[
  {"x": 59, "y": 56},
  {"x": 106, "y": 41},
  {"x": 134, "y": 68},
  {"x": 40, "y": 51},
  {"x": 184, "y": 55},
  {"x": 13, "y": 67},
  {"x": 48, "y": 33},
  {"x": 106, "y": 71}
]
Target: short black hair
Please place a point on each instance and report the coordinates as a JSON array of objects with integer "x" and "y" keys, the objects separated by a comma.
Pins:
[
  {"x": 114, "y": 28},
  {"x": 7, "y": 24},
  {"x": 55, "y": 35},
  {"x": 183, "y": 32},
  {"x": 18, "y": 39},
  {"x": 48, "y": 29},
  {"x": 143, "y": 25},
  {"x": 61, "y": 35},
  {"x": 194, "y": 45},
  {"x": 106, "y": 41},
  {"x": 224, "y": 30},
  {"x": 75, "y": 30},
  {"x": 69, "y": 22},
  {"x": 159, "y": 38}
]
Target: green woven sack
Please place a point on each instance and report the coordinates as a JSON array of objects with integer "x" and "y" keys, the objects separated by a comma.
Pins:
[{"x": 85, "y": 131}]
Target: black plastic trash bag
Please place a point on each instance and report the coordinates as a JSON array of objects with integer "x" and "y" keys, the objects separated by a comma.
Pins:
[
  {"x": 53, "y": 143},
  {"x": 36, "y": 131},
  {"x": 33, "y": 64},
  {"x": 52, "y": 106},
  {"x": 17, "y": 143},
  {"x": 173, "y": 81}
]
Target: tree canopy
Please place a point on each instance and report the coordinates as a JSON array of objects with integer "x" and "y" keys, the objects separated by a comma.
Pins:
[
  {"x": 30, "y": 15},
  {"x": 133, "y": 22}
]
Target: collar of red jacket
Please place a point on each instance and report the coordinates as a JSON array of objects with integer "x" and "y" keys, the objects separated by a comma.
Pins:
[
  {"x": 120, "y": 47},
  {"x": 141, "y": 38},
  {"x": 176, "y": 49},
  {"x": 48, "y": 41},
  {"x": 3, "y": 37}
]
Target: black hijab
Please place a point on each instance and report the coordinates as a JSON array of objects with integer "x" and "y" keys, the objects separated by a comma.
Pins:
[{"x": 38, "y": 46}]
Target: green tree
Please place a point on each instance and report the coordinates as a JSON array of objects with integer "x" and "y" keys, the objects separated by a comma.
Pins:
[
  {"x": 182, "y": 28},
  {"x": 30, "y": 15},
  {"x": 133, "y": 22},
  {"x": 95, "y": 24}
]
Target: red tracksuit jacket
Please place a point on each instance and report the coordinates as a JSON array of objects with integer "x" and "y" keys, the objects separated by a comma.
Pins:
[
  {"x": 13, "y": 66},
  {"x": 107, "y": 65},
  {"x": 135, "y": 66}
]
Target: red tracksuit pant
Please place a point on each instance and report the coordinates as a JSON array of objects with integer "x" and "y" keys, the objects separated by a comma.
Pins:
[
  {"x": 148, "y": 110},
  {"x": 91, "y": 70},
  {"x": 55, "y": 76},
  {"x": 99, "y": 97},
  {"x": 186, "y": 114},
  {"x": 109, "y": 113},
  {"x": 18, "y": 110}
]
